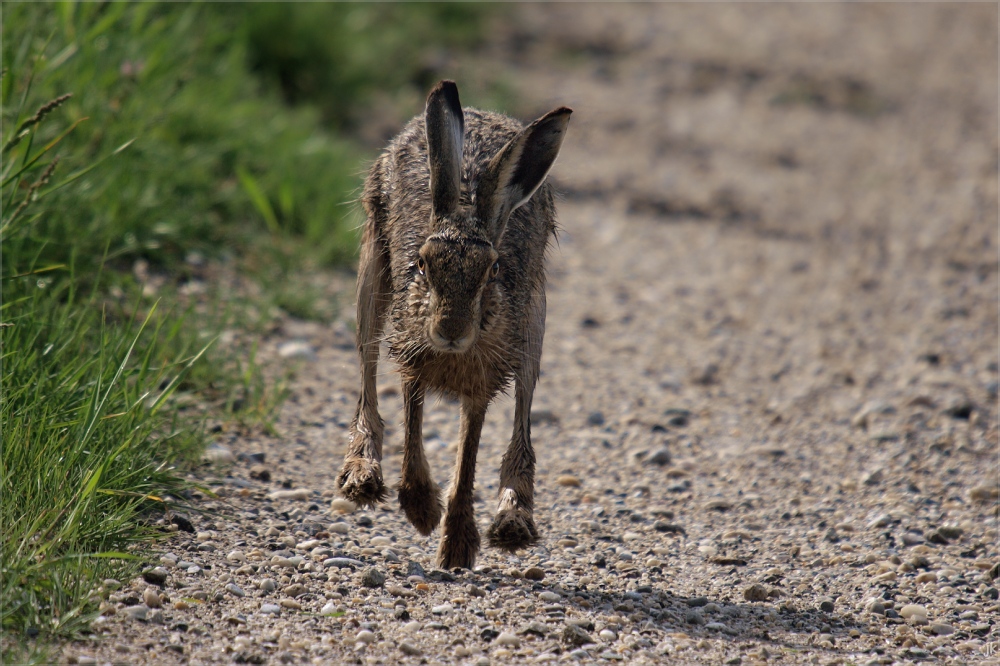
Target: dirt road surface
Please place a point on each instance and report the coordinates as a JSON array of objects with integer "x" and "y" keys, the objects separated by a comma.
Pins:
[{"x": 766, "y": 426}]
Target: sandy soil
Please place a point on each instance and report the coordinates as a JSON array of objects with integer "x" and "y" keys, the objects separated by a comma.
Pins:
[{"x": 767, "y": 425}]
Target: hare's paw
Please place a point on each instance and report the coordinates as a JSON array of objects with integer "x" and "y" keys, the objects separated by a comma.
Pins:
[
  {"x": 459, "y": 544},
  {"x": 361, "y": 481},
  {"x": 421, "y": 502},
  {"x": 512, "y": 529}
]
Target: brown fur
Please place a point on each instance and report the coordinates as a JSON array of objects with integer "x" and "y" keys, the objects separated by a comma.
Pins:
[{"x": 452, "y": 259}]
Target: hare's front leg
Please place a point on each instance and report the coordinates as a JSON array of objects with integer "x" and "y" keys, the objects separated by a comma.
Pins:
[
  {"x": 419, "y": 496},
  {"x": 361, "y": 477},
  {"x": 513, "y": 527},
  {"x": 460, "y": 537}
]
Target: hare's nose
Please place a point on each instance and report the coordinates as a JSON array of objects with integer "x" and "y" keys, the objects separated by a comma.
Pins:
[{"x": 447, "y": 341}]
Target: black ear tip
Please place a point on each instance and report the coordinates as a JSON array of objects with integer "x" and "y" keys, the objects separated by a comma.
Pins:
[{"x": 446, "y": 90}]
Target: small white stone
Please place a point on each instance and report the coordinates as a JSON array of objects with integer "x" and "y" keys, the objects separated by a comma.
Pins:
[
  {"x": 150, "y": 598},
  {"x": 236, "y": 556},
  {"x": 549, "y": 596},
  {"x": 296, "y": 494},
  {"x": 443, "y": 609},
  {"x": 910, "y": 610},
  {"x": 507, "y": 639},
  {"x": 412, "y": 627},
  {"x": 365, "y": 636},
  {"x": 607, "y": 635},
  {"x": 329, "y": 609},
  {"x": 341, "y": 505},
  {"x": 219, "y": 454},
  {"x": 338, "y": 528}
]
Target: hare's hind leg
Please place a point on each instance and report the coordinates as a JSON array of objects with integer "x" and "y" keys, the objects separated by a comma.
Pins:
[
  {"x": 361, "y": 477},
  {"x": 460, "y": 536},
  {"x": 419, "y": 496},
  {"x": 513, "y": 527}
]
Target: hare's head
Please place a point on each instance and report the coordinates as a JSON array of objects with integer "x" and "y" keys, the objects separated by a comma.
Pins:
[{"x": 458, "y": 264}]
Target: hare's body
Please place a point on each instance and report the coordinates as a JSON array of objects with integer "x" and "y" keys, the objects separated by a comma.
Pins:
[
  {"x": 458, "y": 221},
  {"x": 521, "y": 250}
]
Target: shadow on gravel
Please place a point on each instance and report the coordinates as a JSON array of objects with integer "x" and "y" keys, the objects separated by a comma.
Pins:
[{"x": 648, "y": 618}]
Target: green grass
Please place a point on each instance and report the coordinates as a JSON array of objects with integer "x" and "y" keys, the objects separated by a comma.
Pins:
[{"x": 156, "y": 144}]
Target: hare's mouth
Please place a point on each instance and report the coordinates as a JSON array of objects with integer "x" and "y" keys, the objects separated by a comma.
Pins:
[{"x": 445, "y": 344}]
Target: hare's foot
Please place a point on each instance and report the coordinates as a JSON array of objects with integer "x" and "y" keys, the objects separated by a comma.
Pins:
[
  {"x": 421, "y": 502},
  {"x": 459, "y": 543},
  {"x": 361, "y": 481},
  {"x": 512, "y": 529}
]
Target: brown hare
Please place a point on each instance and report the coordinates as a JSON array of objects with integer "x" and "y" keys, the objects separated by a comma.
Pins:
[{"x": 458, "y": 220}]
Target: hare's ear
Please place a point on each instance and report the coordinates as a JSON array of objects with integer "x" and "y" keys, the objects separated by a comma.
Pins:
[
  {"x": 519, "y": 168},
  {"x": 445, "y": 132}
]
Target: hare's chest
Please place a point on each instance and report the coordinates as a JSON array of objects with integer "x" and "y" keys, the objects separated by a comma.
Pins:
[{"x": 480, "y": 373}]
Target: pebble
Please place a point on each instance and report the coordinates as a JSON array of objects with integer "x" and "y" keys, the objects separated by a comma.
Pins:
[
  {"x": 235, "y": 590},
  {"x": 911, "y": 539},
  {"x": 443, "y": 609},
  {"x": 338, "y": 528},
  {"x": 219, "y": 455},
  {"x": 373, "y": 578},
  {"x": 756, "y": 592},
  {"x": 270, "y": 609},
  {"x": 329, "y": 609},
  {"x": 942, "y": 628},
  {"x": 155, "y": 576},
  {"x": 151, "y": 598},
  {"x": 261, "y": 473},
  {"x": 236, "y": 556},
  {"x": 874, "y": 477},
  {"x": 568, "y": 480},
  {"x": 296, "y": 349},
  {"x": 365, "y": 636},
  {"x": 342, "y": 562},
  {"x": 137, "y": 612},
  {"x": 880, "y": 521},
  {"x": 911, "y": 610},
  {"x": 534, "y": 573},
  {"x": 659, "y": 457},
  {"x": 413, "y": 650},
  {"x": 549, "y": 596},
  {"x": 576, "y": 635},
  {"x": 412, "y": 627},
  {"x": 607, "y": 635},
  {"x": 984, "y": 493},
  {"x": 267, "y": 585},
  {"x": 293, "y": 590},
  {"x": 718, "y": 505},
  {"x": 507, "y": 639},
  {"x": 296, "y": 494},
  {"x": 341, "y": 505},
  {"x": 291, "y": 603},
  {"x": 826, "y": 605}
]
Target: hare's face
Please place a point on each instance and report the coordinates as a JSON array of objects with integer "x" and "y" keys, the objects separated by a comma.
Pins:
[{"x": 455, "y": 276}]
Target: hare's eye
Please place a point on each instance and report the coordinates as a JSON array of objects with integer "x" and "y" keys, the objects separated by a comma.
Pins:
[
  {"x": 496, "y": 269},
  {"x": 421, "y": 265}
]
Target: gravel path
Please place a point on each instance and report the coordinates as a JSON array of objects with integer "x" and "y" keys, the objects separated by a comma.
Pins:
[{"x": 767, "y": 425}]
